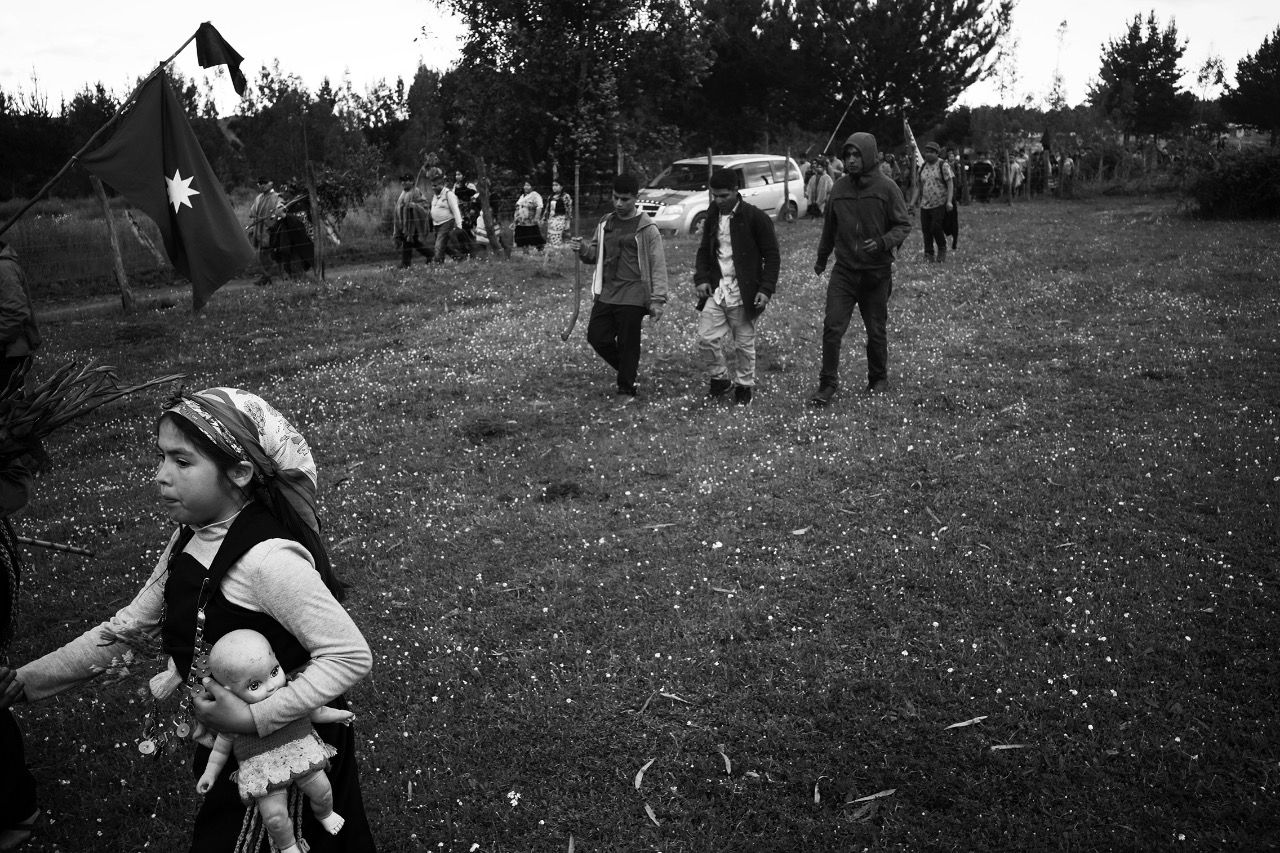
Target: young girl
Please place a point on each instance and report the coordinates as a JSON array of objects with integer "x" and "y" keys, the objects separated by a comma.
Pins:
[
  {"x": 241, "y": 483},
  {"x": 244, "y": 664}
]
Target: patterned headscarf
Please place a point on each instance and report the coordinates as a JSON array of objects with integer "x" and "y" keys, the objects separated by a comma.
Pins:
[{"x": 250, "y": 429}]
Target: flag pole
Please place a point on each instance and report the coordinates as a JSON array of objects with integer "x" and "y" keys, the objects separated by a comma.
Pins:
[
  {"x": 837, "y": 128},
  {"x": 128, "y": 102}
]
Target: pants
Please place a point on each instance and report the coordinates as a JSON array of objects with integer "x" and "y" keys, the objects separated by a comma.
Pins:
[
  {"x": 715, "y": 324},
  {"x": 932, "y": 220},
  {"x": 614, "y": 332},
  {"x": 17, "y": 786},
  {"x": 218, "y": 820},
  {"x": 406, "y": 251},
  {"x": 442, "y": 232},
  {"x": 869, "y": 290}
]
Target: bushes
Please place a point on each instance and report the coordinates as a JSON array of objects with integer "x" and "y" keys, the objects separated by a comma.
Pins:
[{"x": 1240, "y": 185}]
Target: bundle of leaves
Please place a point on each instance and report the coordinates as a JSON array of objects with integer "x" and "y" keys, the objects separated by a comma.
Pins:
[
  {"x": 27, "y": 415},
  {"x": 1242, "y": 185}
]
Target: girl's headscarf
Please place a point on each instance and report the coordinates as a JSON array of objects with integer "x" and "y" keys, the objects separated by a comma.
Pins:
[{"x": 250, "y": 429}]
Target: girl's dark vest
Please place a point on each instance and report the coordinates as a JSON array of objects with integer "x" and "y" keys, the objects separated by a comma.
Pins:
[{"x": 182, "y": 594}]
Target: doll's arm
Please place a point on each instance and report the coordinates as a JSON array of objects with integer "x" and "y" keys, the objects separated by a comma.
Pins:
[
  {"x": 325, "y": 714},
  {"x": 217, "y": 760}
]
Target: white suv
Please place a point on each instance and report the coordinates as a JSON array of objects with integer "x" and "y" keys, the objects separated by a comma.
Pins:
[{"x": 677, "y": 199}]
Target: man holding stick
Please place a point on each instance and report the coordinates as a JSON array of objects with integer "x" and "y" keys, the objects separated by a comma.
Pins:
[{"x": 629, "y": 281}]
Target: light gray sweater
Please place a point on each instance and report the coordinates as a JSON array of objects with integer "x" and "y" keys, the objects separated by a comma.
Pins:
[{"x": 276, "y": 577}]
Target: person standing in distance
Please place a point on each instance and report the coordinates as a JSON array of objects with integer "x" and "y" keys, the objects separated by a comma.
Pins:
[
  {"x": 866, "y": 220},
  {"x": 629, "y": 281},
  {"x": 735, "y": 274}
]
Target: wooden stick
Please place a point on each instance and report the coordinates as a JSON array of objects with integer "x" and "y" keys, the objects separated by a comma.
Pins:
[
  {"x": 122, "y": 278},
  {"x": 54, "y": 546},
  {"x": 577, "y": 262}
]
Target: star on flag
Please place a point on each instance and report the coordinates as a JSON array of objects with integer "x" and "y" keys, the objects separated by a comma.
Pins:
[{"x": 180, "y": 191}]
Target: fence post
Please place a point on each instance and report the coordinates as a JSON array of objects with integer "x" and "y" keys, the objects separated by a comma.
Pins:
[
  {"x": 126, "y": 295},
  {"x": 317, "y": 223}
]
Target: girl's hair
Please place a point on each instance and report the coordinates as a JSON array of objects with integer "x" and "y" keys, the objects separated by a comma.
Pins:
[{"x": 297, "y": 530}]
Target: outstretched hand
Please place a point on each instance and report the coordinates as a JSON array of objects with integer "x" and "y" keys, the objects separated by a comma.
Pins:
[{"x": 222, "y": 710}]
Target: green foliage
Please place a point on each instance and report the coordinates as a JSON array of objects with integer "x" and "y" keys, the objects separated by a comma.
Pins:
[
  {"x": 1241, "y": 185},
  {"x": 1255, "y": 100},
  {"x": 882, "y": 58},
  {"x": 1138, "y": 81}
]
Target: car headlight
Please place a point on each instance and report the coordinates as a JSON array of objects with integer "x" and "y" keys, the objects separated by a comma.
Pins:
[{"x": 671, "y": 210}]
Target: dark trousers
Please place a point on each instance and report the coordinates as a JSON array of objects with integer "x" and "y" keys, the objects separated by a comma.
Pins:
[
  {"x": 218, "y": 822},
  {"x": 442, "y": 233},
  {"x": 17, "y": 786},
  {"x": 614, "y": 332},
  {"x": 932, "y": 222},
  {"x": 869, "y": 290},
  {"x": 406, "y": 251}
]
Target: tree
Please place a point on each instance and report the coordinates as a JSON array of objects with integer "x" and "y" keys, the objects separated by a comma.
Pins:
[
  {"x": 1138, "y": 81},
  {"x": 1255, "y": 100},
  {"x": 877, "y": 58},
  {"x": 544, "y": 80}
]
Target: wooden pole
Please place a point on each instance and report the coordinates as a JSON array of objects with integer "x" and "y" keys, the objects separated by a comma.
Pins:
[
  {"x": 786, "y": 189},
  {"x": 486, "y": 210},
  {"x": 126, "y": 295},
  {"x": 317, "y": 223}
]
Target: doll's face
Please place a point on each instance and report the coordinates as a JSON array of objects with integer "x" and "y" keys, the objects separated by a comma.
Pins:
[{"x": 256, "y": 681}]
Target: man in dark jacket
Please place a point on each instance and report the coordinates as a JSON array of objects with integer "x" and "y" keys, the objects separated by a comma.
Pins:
[
  {"x": 866, "y": 221},
  {"x": 736, "y": 274}
]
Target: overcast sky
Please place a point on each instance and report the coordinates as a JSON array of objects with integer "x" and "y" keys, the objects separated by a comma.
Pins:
[{"x": 67, "y": 44}]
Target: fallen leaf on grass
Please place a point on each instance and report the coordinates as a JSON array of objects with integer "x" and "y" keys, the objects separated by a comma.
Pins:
[
  {"x": 570, "y": 850},
  {"x": 817, "y": 797},
  {"x": 728, "y": 765},
  {"x": 1000, "y": 746},
  {"x": 864, "y": 811},
  {"x": 675, "y": 697},
  {"x": 887, "y": 792},
  {"x": 801, "y": 531},
  {"x": 965, "y": 723},
  {"x": 648, "y": 809},
  {"x": 724, "y": 591},
  {"x": 640, "y": 775},
  {"x": 933, "y": 515}
]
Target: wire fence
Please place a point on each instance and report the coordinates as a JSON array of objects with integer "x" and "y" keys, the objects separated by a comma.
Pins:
[{"x": 65, "y": 248}]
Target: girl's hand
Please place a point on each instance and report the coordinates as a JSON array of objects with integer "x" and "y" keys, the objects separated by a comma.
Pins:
[
  {"x": 222, "y": 710},
  {"x": 205, "y": 783},
  {"x": 11, "y": 689}
]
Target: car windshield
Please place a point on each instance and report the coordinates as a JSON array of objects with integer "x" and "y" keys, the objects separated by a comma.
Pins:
[{"x": 682, "y": 176}]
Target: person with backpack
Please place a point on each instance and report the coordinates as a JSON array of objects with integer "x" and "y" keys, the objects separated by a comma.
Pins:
[{"x": 935, "y": 196}]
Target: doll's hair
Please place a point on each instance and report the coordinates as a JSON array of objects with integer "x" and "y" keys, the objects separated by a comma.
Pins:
[{"x": 297, "y": 531}]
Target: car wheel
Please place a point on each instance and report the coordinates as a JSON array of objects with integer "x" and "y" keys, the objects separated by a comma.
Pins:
[
  {"x": 695, "y": 227},
  {"x": 790, "y": 211}
]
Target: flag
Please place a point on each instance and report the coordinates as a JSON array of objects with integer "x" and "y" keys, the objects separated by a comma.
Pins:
[
  {"x": 212, "y": 49},
  {"x": 911, "y": 140},
  {"x": 154, "y": 161}
]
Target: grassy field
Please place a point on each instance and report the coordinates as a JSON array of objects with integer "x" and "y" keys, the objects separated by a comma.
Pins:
[{"x": 1059, "y": 531}]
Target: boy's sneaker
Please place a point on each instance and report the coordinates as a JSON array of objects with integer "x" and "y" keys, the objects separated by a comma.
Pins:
[
  {"x": 742, "y": 395},
  {"x": 823, "y": 395},
  {"x": 880, "y": 386},
  {"x": 719, "y": 387}
]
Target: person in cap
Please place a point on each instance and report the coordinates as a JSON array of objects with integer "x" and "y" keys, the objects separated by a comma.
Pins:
[
  {"x": 412, "y": 224},
  {"x": 935, "y": 195},
  {"x": 264, "y": 214},
  {"x": 865, "y": 222},
  {"x": 735, "y": 275},
  {"x": 446, "y": 216}
]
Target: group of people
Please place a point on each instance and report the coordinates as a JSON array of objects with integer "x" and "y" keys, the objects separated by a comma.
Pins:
[
  {"x": 244, "y": 600},
  {"x": 865, "y": 221}
]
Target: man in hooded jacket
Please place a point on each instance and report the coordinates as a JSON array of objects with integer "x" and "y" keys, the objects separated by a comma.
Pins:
[{"x": 865, "y": 222}]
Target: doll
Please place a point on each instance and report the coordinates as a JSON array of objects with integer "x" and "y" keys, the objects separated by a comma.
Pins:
[{"x": 243, "y": 662}]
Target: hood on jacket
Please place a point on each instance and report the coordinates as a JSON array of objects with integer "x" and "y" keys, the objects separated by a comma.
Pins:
[{"x": 866, "y": 145}]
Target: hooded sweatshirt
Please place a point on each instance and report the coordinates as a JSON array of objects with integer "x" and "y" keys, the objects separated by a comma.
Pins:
[{"x": 864, "y": 207}]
